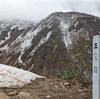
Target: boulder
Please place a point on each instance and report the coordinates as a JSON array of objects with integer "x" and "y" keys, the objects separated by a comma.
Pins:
[
  {"x": 24, "y": 95},
  {"x": 3, "y": 96}
]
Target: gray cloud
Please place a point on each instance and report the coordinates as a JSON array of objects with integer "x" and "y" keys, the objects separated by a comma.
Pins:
[
  {"x": 35, "y": 10},
  {"x": 86, "y": 6}
]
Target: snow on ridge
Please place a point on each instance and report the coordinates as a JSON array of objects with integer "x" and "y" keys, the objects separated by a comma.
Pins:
[
  {"x": 26, "y": 41},
  {"x": 5, "y": 48},
  {"x": 14, "y": 77},
  {"x": 2, "y": 41},
  {"x": 4, "y": 26},
  {"x": 14, "y": 26},
  {"x": 19, "y": 26},
  {"x": 42, "y": 41}
]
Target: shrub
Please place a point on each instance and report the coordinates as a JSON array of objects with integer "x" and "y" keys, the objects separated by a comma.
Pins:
[
  {"x": 73, "y": 75},
  {"x": 69, "y": 75},
  {"x": 83, "y": 80}
]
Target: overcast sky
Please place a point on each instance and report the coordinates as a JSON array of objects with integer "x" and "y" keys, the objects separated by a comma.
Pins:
[{"x": 36, "y": 10}]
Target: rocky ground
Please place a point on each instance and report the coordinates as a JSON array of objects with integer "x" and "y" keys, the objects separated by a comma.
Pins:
[{"x": 48, "y": 89}]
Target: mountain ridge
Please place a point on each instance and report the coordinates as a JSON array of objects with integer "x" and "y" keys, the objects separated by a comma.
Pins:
[{"x": 61, "y": 41}]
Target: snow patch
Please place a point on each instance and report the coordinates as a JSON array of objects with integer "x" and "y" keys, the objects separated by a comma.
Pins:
[
  {"x": 5, "y": 48},
  {"x": 14, "y": 77},
  {"x": 0, "y": 32},
  {"x": 50, "y": 19},
  {"x": 49, "y": 25},
  {"x": 66, "y": 34},
  {"x": 76, "y": 24}
]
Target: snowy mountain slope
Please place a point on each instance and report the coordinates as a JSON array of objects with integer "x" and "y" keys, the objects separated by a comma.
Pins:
[
  {"x": 10, "y": 31},
  {"x": 14, "y": 77},
  {"x": 61, "y": 41}
]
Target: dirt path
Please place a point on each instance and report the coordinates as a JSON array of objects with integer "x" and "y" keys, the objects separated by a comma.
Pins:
[{"x": 52, "y": 89}]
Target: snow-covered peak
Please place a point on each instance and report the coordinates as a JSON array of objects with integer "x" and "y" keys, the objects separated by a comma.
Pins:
[
  {"x": 14, "y": 77},
  {"x": 4, "y": 25}
]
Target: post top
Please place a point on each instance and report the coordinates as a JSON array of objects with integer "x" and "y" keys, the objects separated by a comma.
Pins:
[{"x": 96, "y": 36}]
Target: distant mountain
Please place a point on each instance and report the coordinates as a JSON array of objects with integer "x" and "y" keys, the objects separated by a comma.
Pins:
[{"x": 61, "y": 41}]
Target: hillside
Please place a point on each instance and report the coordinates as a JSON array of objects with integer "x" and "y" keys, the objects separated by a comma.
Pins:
[{"x": 60, "y": 42}]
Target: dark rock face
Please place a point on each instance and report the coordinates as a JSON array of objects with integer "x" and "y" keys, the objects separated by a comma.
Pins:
[{"x": 61, "y": 41}]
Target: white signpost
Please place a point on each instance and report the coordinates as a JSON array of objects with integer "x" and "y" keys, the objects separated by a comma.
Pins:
[{"x": 96, "y": 67}]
